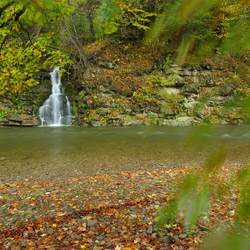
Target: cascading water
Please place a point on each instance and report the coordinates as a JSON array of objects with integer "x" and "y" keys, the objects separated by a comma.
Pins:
[{"x": 56, "y": 109}]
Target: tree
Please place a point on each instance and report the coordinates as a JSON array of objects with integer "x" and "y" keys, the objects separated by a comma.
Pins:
[
  {"x": 26, "y": 40},
  {"x": 204, "y": 26},
  {"x": 125, "y": 18}
]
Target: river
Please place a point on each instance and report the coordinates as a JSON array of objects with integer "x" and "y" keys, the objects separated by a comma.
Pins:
[{"x": 61, "y": 152}]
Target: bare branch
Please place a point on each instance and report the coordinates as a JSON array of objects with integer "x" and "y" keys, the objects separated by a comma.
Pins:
[{"x": 83, "y": 58}]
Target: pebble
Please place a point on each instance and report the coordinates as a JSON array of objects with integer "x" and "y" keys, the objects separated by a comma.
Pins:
[
  {"x": 150, "y": 230},
  {"x": 176, "y": 238},
  {"x": 149, "y": 246},
  {"x": 78, "y": 237},
  {"x": 96, "y": 248},
  {"x": 182, "y": 236},
  {"x": 167, "y": 240},
  {"x": 92, "y": 223},
  {"x": 100, "y": 238}
]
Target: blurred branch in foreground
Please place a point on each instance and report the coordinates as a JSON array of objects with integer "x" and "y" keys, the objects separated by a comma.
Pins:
[{"x": 204, "y": 27}]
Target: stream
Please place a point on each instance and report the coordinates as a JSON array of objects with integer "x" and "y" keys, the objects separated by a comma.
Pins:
[{"x": 60, "y": 152}]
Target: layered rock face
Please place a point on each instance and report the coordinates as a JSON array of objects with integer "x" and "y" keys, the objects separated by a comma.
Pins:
[
  {"x": 180, "y": 96},
  {"x": 183, "y": 96},
  {"x": 23, "y": 120}
]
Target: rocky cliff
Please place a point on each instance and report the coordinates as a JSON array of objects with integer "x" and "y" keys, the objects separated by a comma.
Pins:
[
  {"x": 182, "y": 96},
  {"x": 132, "y": 85}
]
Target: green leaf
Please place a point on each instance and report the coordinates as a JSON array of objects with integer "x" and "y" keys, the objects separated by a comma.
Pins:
[{"x": 167, "y": 214}]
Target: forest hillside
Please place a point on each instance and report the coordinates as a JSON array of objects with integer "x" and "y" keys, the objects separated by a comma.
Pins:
[{"x": 138, "y": 62}]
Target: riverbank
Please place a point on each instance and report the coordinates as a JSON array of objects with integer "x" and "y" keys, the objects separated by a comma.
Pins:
[
  {"x": 101, "y": 212},
  {"x": 131, "y": 85}
]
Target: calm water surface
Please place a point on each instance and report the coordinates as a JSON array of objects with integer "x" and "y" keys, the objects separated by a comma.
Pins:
[{"x": 71, "y": 151}]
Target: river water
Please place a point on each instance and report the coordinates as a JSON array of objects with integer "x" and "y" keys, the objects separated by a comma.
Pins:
[{"x": 54, "y": 152}]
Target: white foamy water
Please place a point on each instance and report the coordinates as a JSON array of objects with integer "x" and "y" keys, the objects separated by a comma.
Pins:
[{"x": 56, "y": 111}]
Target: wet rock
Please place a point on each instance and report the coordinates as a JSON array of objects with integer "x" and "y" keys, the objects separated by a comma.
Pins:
[
  {"x": 184, "y": 121},
  {"x": 96, "y": 124},
  {"x": 3, "y": 122},
  {"x": 30, "y": 122},
  {"x": 11, "y": 123},
  {"x": 130, "y": 122},
  {"x": 19, "y": 118},
  {"x": 180, "y": 122},
  {"x": 222, "y": 122}
]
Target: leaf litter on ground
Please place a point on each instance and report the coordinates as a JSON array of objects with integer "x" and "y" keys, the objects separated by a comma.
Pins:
[{"x": 102, "y": 212}]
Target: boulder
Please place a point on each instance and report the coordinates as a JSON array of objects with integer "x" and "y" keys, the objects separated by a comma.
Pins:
[
  {"x": 131, "y": 122},
  {"x": 22, "y": 120},
  {"x": 179, "y": 122},
  {"x": 172, "y": 91},
  {"x": 19, "y": 118},
  {"x": 191, "y": 105}
]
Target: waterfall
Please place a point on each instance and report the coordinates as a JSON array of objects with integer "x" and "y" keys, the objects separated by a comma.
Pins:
[{"x": 56, "y": 109}]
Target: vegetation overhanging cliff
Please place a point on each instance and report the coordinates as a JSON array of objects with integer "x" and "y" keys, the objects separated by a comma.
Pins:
[{"x": 129, "y": 62}]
